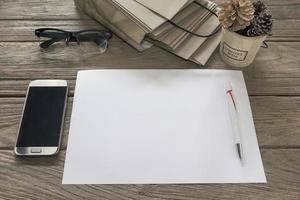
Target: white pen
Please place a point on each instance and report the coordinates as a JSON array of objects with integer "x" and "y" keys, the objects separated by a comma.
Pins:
[{"x": 234, "y": 120}]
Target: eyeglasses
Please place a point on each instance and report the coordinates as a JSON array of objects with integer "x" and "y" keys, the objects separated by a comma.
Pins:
[{"x": 100, "y": 37}]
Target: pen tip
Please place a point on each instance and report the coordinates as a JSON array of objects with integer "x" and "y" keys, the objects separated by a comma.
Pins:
[{"x": 239, "y": 148}]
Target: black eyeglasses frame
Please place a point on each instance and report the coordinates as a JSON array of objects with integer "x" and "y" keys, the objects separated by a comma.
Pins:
[{"x": 69, "y": 36}]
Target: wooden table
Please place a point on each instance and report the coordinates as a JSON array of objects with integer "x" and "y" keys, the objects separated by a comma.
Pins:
[{"x": 273, "y": 83}]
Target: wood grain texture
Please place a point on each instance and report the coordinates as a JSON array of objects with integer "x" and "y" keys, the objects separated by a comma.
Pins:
[
  {"x": 23, "y": 30},
  {"x": 275, "y": 72},
  {"x": 45, "y": 14},
  {"x": 39, "y": 10},
  {"x": 20, "y": 31},
  {"x": 40, "y": 178},
  {"x": 285, "y": 30},
  {"x": 56, "y": 9},
  {"x": 19, "y": 60},
  {"x": 28, "y": 61},
  {"x": 255, "y": 86},
  {"x": 277, "y": 121}
]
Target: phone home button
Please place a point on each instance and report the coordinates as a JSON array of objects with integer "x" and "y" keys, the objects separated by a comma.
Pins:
[{"x": 36, "y": 150}]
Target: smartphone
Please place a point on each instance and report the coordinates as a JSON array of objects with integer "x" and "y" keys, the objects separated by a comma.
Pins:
[{"x": 42, "y": 119}]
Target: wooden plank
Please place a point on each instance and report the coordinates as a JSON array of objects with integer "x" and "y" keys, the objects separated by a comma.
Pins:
[
  {"x": 39, "y": 10},
  {"x": 286, "y": 25},
  {"x": 272, "y": 86},
  {"x": 285, "y": 30},
  {"x": 277, "y": 121},
  {"x": 24, "y": 60},
  {"x": 23, "y": 30},
  {"x": 64, "y": 10},
  {"x": 40, "y": 178},
  {"x": 256, "y": 86},
  {"x": 16, "y": 30}
]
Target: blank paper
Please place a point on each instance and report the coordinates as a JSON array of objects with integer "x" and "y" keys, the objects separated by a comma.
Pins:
[{"x": 159, "y": 127}]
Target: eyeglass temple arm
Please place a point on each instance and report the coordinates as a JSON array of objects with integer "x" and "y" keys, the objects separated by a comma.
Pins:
[
  {"x": 52, "y": 35},
  {"x": 101, "y": 42},
  {"x": 47, "y": 43},
  {"x": 106, "y": 33}
]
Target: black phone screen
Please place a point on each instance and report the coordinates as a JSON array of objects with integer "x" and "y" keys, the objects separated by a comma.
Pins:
[{"x": 42, "y": 117}]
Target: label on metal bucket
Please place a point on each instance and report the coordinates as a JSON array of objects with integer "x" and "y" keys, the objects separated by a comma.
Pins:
[{"x": 236, "y": 54}]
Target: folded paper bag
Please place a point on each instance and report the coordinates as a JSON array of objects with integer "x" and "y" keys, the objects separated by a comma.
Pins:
[
  {"x": 118, "y": 16},
  {"x": 108, "y": 15},
  {"x": 166, "y": 8}
]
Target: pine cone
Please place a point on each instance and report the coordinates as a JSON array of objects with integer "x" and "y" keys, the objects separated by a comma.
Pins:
[
  {"x": 261, "y": 25},
  {"x": 259, "y": 7},
  {"x": 236, "y": 14}
]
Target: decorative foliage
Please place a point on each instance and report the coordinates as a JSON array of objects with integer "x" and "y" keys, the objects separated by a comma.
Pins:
[
  {"x": 262, "y": 22},
  {"x": 261, "y": 25},
  {"x": 246, "y": 18},
  {"x": 236, "y": 15},
  {"x": 259, "y": 7}
]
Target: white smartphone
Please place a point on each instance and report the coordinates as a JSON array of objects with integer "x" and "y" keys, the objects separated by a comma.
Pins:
[{"x": 42, "y": 119}]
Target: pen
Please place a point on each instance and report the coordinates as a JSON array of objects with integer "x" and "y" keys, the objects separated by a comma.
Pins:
[{"x": 234, "y": 120}]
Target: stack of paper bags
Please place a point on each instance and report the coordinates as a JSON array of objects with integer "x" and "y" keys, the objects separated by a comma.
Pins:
[{"x": 142, "y": 23}]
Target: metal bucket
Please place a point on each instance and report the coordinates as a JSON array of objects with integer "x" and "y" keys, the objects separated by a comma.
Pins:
[{"x": 237, "y": 50}]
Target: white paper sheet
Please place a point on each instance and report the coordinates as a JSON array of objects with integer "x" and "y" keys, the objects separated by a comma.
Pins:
[{"x": 159, "y": 126}]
